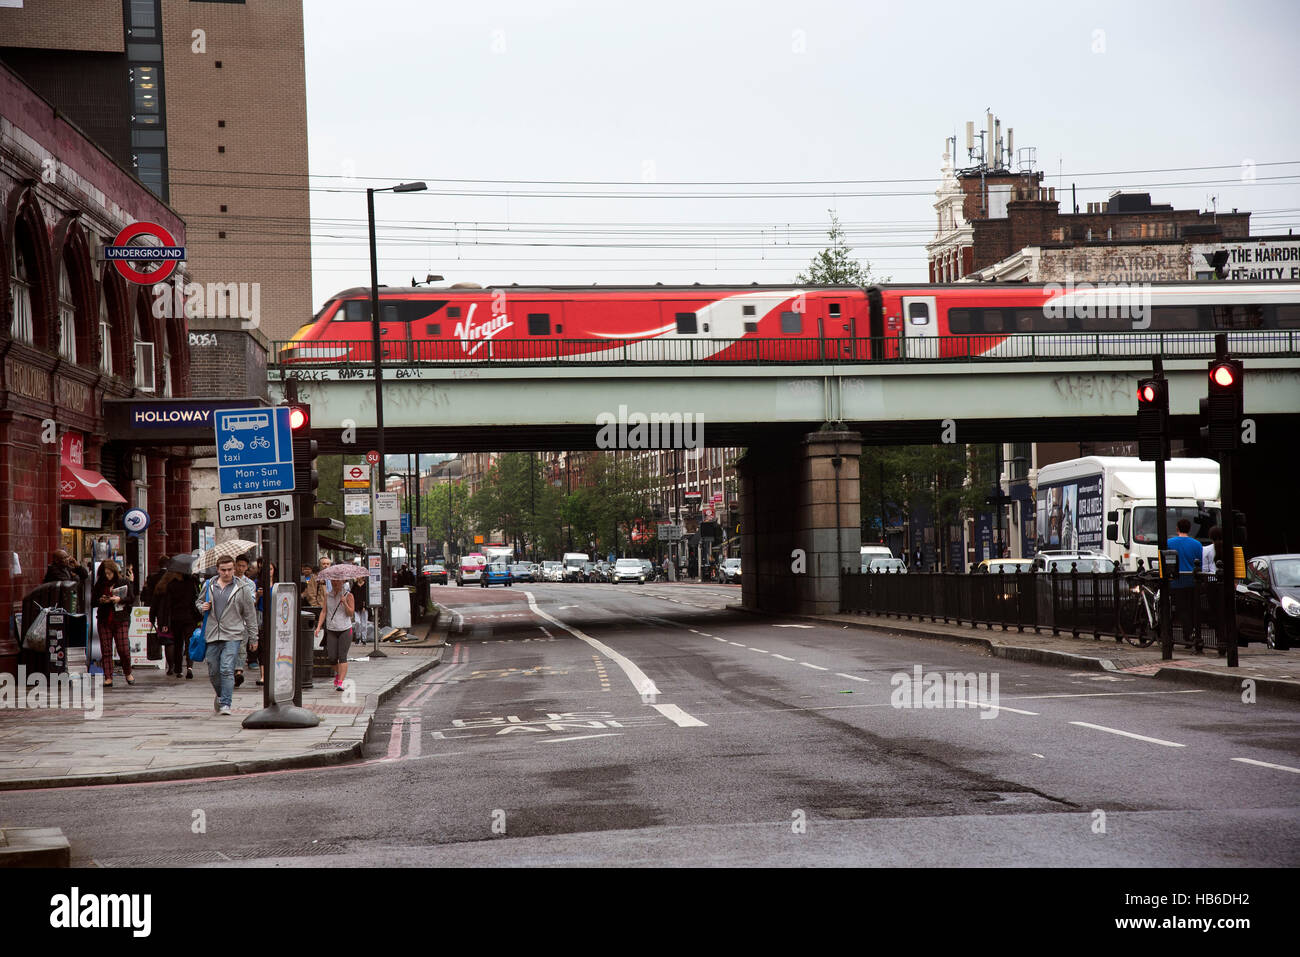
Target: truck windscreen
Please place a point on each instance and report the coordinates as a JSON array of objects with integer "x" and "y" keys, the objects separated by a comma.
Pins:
[{"x": 1144, "y": 523}]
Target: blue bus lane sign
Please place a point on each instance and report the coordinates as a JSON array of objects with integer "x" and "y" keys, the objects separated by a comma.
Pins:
[{"x": 254, "y": 450}]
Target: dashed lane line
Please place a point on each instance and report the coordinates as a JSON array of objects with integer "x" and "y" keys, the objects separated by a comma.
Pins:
[
  {"x": 736, "y": 643},
  {"x": 782, "y": 657},
  {"x": 993, "y": 707},
  {"x": 1129, "y": 734},
  {"x": 840, "y": 674},
  {"x": 759, "y": 650},
  {"x": 1265, "y": 764},
  {"x": 817, "y": 667}
]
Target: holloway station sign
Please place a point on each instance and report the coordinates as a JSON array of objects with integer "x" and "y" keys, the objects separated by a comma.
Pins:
[{"x": 182, "y": 421}]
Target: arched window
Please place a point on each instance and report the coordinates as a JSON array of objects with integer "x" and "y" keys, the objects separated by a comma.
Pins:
[
  {"x": 67, "y": 316},
  {"x": 20, "y": 288},
  {"x": 145, "y": 367},
  {"x": 105, "y": 334},
  {"x": 167, "y": 360}
]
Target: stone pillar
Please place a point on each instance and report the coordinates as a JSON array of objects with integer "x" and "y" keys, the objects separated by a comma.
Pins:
[
  {"x": 830, "y": 517},
  {"x": 178, "y": 506},
  {"x": 158, "y": 517},
  {"x": 795, "y": 535}
]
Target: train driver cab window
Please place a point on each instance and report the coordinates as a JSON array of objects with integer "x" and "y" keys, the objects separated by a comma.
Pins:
[
  {"x": 834, "y": 310},
  {"x": 539, "y": 323},
  {"x": 918, "y": 313},
  {"x": 792, "y": 322},
  {"x": 686, "y": 324},
  {"x": 354, "y": 310}
]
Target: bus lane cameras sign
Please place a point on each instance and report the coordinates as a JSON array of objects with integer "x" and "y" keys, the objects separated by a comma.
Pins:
[{"x": 254, "y": 451}]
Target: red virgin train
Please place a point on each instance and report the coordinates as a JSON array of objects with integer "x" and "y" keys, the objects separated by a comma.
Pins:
[{"x": 466, "y": 322}]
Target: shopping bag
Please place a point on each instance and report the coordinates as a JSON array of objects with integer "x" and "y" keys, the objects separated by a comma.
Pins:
[{"x": 34, "y": 639}]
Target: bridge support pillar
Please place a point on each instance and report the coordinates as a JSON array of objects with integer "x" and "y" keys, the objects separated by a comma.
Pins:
[{"x": 800, "y": 522}]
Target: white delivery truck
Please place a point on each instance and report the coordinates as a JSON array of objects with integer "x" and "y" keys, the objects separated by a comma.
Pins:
[
  {"x": 1107, "y": 504},
  {"x": 573, "y": 565}
]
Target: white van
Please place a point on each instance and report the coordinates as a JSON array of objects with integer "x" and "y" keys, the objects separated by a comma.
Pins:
[
  {"x": 874, "y": 551},
  {"x": 573, "y": 565}
]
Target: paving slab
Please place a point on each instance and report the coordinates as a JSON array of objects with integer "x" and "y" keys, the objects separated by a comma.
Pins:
[{"x": 163, "y": 728}]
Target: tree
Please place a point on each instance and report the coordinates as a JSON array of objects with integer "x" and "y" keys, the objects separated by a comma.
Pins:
[{"x": 835, "y": 265}]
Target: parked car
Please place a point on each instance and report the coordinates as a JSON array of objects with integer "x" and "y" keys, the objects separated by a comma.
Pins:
[
  {"x": 629, "y": 570},
  {"x": 729, "y": 571},
  {"x": 1004, "y": 566},
  {"x": 471, "y": 568},
  {"x": 552, "y": 572},
  {"x": 651, "y": 570},
  {"x": 891, "y": 566},
  {"x": 435, "y": 573},
  {"x": 497, "y": 573},
  {"x": 1268, "y": 604},
  {"x": 589, "y": 572},
  {"x": 521, "y": 572}
]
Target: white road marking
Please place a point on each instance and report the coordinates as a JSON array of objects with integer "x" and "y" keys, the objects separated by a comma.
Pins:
[
  {"x": 1036, "y": 754},
  {"x": 1129, "y": 734},
  {"x": 792, "y": 626},
  {"x": 782, "y": 657},
  {"x": 840, "y": 674},
  {"x": 1104, "y": 694},
  {"x": 759, "y": 650},
  {"x": 818, "y": 667},
  {"x": 640, "y": 681},
  {"x": 679, "y": 717},
  {"x": 736, "y": 643},
  {"x": 1265, "y": 764},
  {"x": 995, "y": 707},
  {"x": 716, "y": 638},
  {"x": 582, "y": 737}
]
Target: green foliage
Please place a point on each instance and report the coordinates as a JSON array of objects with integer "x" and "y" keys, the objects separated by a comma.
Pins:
[{"x": 835, "y": 265}]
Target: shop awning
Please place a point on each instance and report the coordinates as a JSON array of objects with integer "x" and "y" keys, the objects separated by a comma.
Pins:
[
  {"x": 334, "y": 545},
  {"x": 86, "y": 485}
]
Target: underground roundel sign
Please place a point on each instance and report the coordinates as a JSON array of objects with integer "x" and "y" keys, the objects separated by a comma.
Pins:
[
  {"x": 135, "y": 521},
  {"x": 164, "y": 251}
]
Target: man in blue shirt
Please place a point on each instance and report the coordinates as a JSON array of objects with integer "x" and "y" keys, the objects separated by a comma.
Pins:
[{"x": 1183, "y": 592}]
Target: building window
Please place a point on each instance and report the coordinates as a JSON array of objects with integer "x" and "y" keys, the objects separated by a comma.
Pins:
[
  {"x": 20, "y": 326},
  {"x": 67, "y": 316},
  {"x": 105, "y": 335},
  {"x": 167, "y": 362}
]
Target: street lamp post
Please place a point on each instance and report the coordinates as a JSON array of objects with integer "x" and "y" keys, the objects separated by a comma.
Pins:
[{"x": 385, "y": 615}]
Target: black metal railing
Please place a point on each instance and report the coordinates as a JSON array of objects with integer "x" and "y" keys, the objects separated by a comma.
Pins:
[
  {"x": 1079, "y": 604},
  {"x": 356, "y": 354}
]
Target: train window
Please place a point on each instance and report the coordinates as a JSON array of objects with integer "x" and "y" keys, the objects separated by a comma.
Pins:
[
  {"x": 834, "y": 310},
  {"x": 994, "y": 322},
  {"x": 686, "y": 323},
  {"x": 1165, "y": 318},
  {"x": 1238, "y": 317},
  {"x": 1116, "y": 323},
  {"x": 388, "y": 312},
  {"x": 433, "y": 329},
  {"x": 747, "y": 310},
  {"x": 1288, "y": 317},
  {"x": 539, "y": 323},
  {"x": 453, "y": 312},
  {"x": 959, "y": 321},
  {"x": 751, "y": 326},
  {"x": 918, "y": 313},
  {"x": 792, "y": 322},
  {"x": 1028, "y": 320},
  {"x": 354, "y": 310}
]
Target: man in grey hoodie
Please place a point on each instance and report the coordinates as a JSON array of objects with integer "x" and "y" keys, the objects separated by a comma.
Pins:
[{"x": 230, "y": 617}]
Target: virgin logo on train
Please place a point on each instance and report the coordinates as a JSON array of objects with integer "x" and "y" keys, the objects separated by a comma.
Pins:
[{"x": 467, "y": 332}]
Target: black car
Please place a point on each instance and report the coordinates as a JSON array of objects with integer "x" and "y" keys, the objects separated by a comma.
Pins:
[{"x": 1268, "y": 604}]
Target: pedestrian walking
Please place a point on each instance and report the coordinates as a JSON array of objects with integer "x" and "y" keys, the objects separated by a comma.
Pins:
[
  {"x": 1210, "y": 553},
  {"x": 174, "y": 617},
  {"x": 242, "y": 577},
  {"x": 361, "y": 632},
  {"x": 229, "y": 620},
  {"x": 113, "y": 597},
  {"x": 336, "y": 621},
  {"x": 1183, "y": 588}
]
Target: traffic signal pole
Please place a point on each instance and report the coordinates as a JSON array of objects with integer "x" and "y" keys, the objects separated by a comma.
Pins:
[{"x": 1153, "y": 446}]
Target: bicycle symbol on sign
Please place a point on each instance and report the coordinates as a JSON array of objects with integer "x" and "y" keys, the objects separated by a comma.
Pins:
[{"x": 260, "y": 442}]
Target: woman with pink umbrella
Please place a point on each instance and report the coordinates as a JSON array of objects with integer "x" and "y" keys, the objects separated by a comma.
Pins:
[{"x": 337, "y": 609}]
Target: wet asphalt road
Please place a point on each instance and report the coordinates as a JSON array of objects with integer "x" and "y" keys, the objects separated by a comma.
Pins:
[{"x": 647, "y": 724}]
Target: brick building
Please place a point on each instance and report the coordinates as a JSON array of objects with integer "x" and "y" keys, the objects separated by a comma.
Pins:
[
  {"x": 200, "y": 100},
  {"x": 75, "y": 334}
]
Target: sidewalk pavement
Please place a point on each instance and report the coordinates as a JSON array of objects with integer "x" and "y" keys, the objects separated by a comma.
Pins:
[
  {"x": 1276, "y": 673},
  {"x": 164, "y": 728}
]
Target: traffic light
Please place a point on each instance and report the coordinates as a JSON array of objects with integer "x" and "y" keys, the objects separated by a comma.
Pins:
[
  {"x": 305, "y": 478},
  {"x": 1222, "y": 409},
  {"x": 1153, "y": 420}
]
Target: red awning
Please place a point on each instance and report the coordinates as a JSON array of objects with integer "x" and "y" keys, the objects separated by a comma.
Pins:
[{"x": 86, "y": 485}]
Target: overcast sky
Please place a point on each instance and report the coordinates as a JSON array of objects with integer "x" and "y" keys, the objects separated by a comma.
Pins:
[{"x": 650, "y": 96}]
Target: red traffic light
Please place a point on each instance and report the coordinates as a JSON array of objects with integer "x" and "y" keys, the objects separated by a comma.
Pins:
[
  {"x": 298, "y": 417},
  {"x": 1146, "y": 392},
  {"x": 1224, "y": 375}
]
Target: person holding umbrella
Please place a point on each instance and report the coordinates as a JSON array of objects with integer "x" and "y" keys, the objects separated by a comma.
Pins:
[{"x": 338, "y": 607}]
